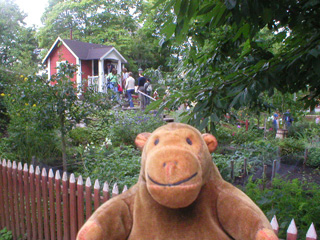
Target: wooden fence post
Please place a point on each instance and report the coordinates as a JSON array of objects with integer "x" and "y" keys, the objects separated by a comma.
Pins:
[
  {"x": 264, "y": 174},
  {"x": 26, "y": 187},
  {"x": 244, "y": 167},
  {"x": 105, "y": 191},
  {"x": 73, "y": 207},
  {"x": 33, "y": 204},
  {"x": 39, "y": 210},
  {"x": 2, "y": 214},
  {"x": 80, "y": 202},
  {"x": 96, "y": 196},
  {"x": 275, "y": 225},
  {"x": 52, "y": 205},
  {"x": 10, "y": 194},
  {"x": 58, "y": 205},
  {"x": 88, "y": 198},
  {"x": 274, "y": 165},
  {"x": 292, "y": 232},
  {"x": 44, "y": 185},
  {"x": 22, "y": 202},
  {"x": 311, "y": 234},
  {"x": 5, "y": 196},
  {"x": 65, "y": 199},
  {"x": 115, "y": 190},
  {"x": 15, "y": 198}
]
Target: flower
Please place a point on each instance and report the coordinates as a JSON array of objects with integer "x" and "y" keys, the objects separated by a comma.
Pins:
[
  {"x": 21, "y": 76},
  {"x": 34, "y": 105},
  {"x": 27, "y": 104},
  {"x": 108, "y": 141},
  {"x": 2, "y": 94}
]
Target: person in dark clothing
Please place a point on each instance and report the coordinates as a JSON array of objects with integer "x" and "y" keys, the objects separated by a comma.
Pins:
[
  {"x": 287, "y": 119},
  {"x": 108, "y": 68},
  {"x": 141, "y": 81}
]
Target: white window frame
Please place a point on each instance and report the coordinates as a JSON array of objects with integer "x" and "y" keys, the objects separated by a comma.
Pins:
[{"x": 58, "y": 64}]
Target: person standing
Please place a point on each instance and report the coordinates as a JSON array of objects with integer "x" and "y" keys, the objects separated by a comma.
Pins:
[
  {"x": 108, "y": 68},
  {"x": 275, "y": 122},
  {"x": 141, "y": 82},
  {"x": 113, "y": 82},
  {"x": 130, "y": 83},
  {"x": 148, "y": 90},
  {"x": 124, "y": 76},
  {"x": 288, "y": 119}
]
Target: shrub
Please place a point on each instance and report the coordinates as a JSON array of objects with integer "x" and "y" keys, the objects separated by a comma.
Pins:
[
  {"x": 288, "y": 200},
  {"x": 5, "y": 234},
  {"x": 242, "y": 136},
  {"x": 119, "y": 165},
  {"x": 125, "y": 126},
  {"x": 291, "y": 150},
  {"x": 224, "y": 133},
  {"x": 25, "y": 141},
  {"x": 313, "y": 157},
  {"x": 80, "y": 136},
  {"x": 304, "y": 129},
  {"x": 223, "y": 164},
  {"x": 236, "y": 134}
]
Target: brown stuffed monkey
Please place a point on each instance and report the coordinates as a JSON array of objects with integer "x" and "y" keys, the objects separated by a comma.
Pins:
[{"x": 180, "y": 195}]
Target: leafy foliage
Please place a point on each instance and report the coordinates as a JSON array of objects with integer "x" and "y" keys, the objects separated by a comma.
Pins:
[
  {"x": 38, "y": 108},
  {"x": 17, "y": 42},
  {"x": 119, "y": 165},
  {"x": 127, "y": 25},
  {"x": 235, "y": 52},
  {"x": 6, "y": 234},
  {"x": 125, "y": 126},
  {"x": 287, "y": 200},
  {"x": 314, "y": 158}
]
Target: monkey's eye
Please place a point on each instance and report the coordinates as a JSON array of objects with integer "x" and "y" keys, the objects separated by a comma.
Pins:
[
  {"x": 156, "y": 141},
  {"x": 189, "y": 141}
]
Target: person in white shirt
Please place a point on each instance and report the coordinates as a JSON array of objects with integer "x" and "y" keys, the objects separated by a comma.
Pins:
[
  {"x": 130, "y": 83},
  {"x": 124, "y": 76}
]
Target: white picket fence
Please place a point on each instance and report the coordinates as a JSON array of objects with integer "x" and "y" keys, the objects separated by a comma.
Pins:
[{"x": 292, "y": 232}]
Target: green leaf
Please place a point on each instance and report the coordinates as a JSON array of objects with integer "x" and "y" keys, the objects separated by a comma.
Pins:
[
  {"x": 177, "y": 7},
  {"x": 169, "y": 29},
  {"x": 193, "y": 8},
  {"x": 244, "y": 31}
]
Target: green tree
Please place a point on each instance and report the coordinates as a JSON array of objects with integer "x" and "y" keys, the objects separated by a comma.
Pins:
[
  {"x": 234, "y": 51},
  {"x": 38, "y": 108},
  {"x": 127, "y": 25},
  {"x": 101, "y": 22},
  {"x": 17, "y": 42}
]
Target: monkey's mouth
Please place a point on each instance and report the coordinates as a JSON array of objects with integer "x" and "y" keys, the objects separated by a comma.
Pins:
[{"x": 173, "y": 184}]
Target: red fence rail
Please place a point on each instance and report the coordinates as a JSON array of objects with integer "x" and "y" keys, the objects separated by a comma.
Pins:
[
  {"x": 44, "y": 206},
  {"x": 36, "y": 205}
]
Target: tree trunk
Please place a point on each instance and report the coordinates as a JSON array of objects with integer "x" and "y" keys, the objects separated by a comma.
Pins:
[{"x": 63, "y": 141}]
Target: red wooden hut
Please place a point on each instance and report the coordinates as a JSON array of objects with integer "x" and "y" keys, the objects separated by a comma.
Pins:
[{"x": 90, "y": 58}]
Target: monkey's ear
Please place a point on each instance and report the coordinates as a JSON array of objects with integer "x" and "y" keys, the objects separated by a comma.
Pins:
[
  {"x": 211, "y": 141},
  {"x": 141, "y": 139}
]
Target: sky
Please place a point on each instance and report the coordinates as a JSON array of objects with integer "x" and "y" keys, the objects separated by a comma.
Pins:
[{"x": 34, "y": 9}]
